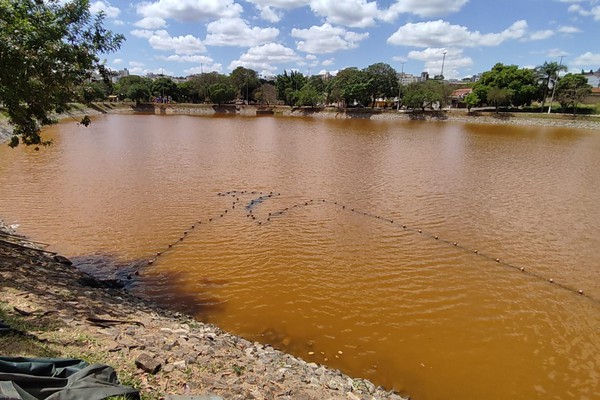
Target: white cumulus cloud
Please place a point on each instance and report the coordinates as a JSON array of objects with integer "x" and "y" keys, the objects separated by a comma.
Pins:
[
  {"x": 269, "y": 9},
  {"x": 352, "y": 13},
  {"x": 161, "y": 40},
  {"x": 587, "y": 60},
  {"x": 105, "y": 7},
  {"x": 443, "y": 34},
  {"x": 541, "y": 35},
  {"x": 593, "y": 10},
  {"x": 452, "y": 61},
  {"x": 326, "y": 39},
  {"x": 422, "y": 8},
  {"x": 265, "y": 57},
  {"x": 151, "y": 23},
  {"x": 569, "y": 29},
  {"x": 236, "y": 32},
  {"x": 190, "y": 10},
  {"x": 198, "y": 59},
  {"x": 217, "y": 67}
]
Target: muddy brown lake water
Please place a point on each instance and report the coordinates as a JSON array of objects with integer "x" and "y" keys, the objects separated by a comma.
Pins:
[{"x": 318, "y": 268}]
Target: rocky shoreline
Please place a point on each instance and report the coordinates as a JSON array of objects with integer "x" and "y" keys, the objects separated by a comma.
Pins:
[
  {"x": 459, "y": 116},
  {"x": 160, "y": 352}
]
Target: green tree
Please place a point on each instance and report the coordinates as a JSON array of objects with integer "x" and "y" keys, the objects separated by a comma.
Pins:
[
  {"x": 48, "y": 50},
  {"x": 471, "y": 100},
  {"x": 245, "y": 81},
  {"x": 317, "y": 82},
  {"x": 571, "y": 90},
  {"x": 309, "y": 96},
  {"x": 94, "y": 91},
  {"x": 424, "y": 94},
  {"x": 548, "y": 74},
  {"x": 183, "y": 93},
  {"x": 164, "y": 86},
  {"x": 382, "y": 80},
  {"x": 521, "y": 83},
  {"x": 351, "y": 86},
  {"x": 198, "y": 86},
  {"x": 288, "y": 86},
  {"x": 138, "y": 92},
  {"x": 220, "y": 93},
  {"x": 266, "y": 94},
  {"x": 123, "y": 87},
  {"x": 498, "y": 97}
]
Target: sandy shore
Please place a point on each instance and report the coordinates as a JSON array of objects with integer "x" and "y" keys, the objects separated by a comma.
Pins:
[{"x": 65, "y": 313}]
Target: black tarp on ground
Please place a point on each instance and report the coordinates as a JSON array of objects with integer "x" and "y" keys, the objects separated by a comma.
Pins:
[{"x": 58, "y": 379}]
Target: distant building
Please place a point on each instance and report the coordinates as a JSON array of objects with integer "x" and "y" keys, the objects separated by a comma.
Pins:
[
  {"x": 424, "y": 76},
  {"x": 476, "y": 77},
  {"x": 325, "y": 76},
  {"x": 117, "y": 75},
  {"x": 458, "y": 97},
  {"x": 407, "y": 79},
  {"x": 153, "y": 76},
  {"x": 593, "y": 78}
]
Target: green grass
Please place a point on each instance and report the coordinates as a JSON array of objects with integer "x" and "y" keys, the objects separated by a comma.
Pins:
[{"x": 20, "y": 342}]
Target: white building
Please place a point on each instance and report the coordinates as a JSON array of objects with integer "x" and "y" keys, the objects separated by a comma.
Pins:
[
  {"x": 593, "y": 78},
  {"x": 407, "y": 79},
  {"x": 117, "y": 75}
]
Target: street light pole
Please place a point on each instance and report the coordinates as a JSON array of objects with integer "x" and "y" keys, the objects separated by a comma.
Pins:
[
  {"x": 554, "y": 86},
  {"x": 443, "y": 62},
  {"x": 162, "y": 75},
  {"x": 246, "y": 76},
  {"x": 400, "y": 85}
]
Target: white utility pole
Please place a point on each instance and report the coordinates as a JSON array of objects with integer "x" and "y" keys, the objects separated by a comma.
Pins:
[
  {"x": 400, "y": 84},
  {"x": 443, "y": 62},
  {"x": 554, "y": 86}
]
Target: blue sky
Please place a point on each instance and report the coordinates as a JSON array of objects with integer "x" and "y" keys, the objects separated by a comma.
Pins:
[{"x": 183, "y": 37}]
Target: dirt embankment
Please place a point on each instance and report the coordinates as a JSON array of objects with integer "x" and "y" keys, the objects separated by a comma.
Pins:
[{"x": 60, "y": 312}]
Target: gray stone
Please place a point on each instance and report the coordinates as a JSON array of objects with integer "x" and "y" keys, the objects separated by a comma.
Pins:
[
  {"x": 148, "y": 363},
  {"x": 179, "y": 364},
  {"x": 333, "y": 384}
]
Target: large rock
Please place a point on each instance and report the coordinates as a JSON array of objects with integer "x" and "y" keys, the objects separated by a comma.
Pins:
[{"x": 148, "y": 363}]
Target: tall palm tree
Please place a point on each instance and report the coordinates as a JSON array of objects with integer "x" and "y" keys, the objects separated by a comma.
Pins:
[{"x": 548, "y": 72}]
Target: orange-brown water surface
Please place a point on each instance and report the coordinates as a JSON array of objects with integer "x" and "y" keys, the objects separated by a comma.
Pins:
[{"x": 337, "y": 260}]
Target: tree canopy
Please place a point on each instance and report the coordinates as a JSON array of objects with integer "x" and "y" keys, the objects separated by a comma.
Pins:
[
  {"x": 571, "y": 90},
  {"x": 382, "y": 81},
  {"x": 548, "y": 74},
  {"x": 164, "y": 87},
  {"x": 134, "y": 87},
  {"x": 48, "y": 49},
  {"x": 520, "y": 84},
  {"x": 288, "y": 86},
  {"x": 245, "y": 81},
  {"x": 424, "y": 94},
  {"x": 351, "y": 86},
  {"x": 221, "y": 92}
]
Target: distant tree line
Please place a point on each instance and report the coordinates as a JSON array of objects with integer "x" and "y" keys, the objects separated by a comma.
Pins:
[
  {"x": 49, "y": 51},
  {"x": 377, "y": 85}
]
